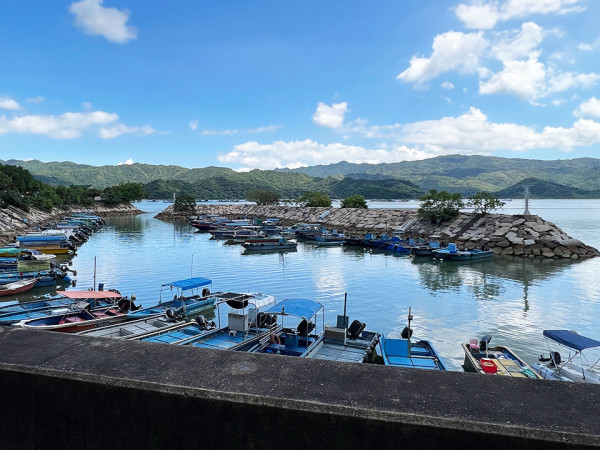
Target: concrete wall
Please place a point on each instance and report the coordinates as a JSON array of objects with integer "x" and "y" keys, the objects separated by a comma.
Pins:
[{"x": 68, "y": 391}]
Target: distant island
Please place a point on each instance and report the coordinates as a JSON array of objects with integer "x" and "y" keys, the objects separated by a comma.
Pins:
[{"x": 505, "y": 177}]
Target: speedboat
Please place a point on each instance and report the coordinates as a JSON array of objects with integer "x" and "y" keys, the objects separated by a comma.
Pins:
[{"x": 575, "y": 366}]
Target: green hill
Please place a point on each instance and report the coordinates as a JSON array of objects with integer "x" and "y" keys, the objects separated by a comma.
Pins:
[{"x": 545, "y": 189}]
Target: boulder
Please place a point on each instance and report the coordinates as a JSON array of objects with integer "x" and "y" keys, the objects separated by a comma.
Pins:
[
  {"x": 548, "y": 254},
  {"x": 528, "y": 242},
  {"x": 518, "y": 222}
]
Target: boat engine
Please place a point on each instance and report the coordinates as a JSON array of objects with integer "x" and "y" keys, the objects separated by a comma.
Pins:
[
  {"x": 406, "y": 333},
  {"x": 356, "y": 327},
  {"x": 555, "y": 357}
]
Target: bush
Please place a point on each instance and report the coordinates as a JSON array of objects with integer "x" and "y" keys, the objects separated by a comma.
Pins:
[
  {"x": 354, "y": 201},
  {"x": 312, "y": 198},
  {"x": 263, "y": 197},
  {"x": 184, "y": 203},
  {"x": 439, "y": 206},
  {"x": 484, "y": 202}
]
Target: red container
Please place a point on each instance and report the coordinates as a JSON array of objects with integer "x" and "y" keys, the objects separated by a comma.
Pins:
[{"x": 488, "y": 365}]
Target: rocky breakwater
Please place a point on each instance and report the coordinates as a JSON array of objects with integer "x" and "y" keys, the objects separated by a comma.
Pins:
[
  {"x": 518, "y": 235},
  {"x": 14, "y": 221}
]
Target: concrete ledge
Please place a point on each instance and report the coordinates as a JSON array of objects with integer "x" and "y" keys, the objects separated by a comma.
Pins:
[{"x": 83, "y": 392}]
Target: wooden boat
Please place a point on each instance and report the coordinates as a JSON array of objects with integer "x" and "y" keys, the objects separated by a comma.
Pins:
[
  {"x": 296, "y": 341},
  {"x": 17, "y": 287},
  {"x": 426, "y": 248},
  {"x": 498, "y": 360},
  {"x": 197, "y": 298},
  {"x": 68, "y": 301},
  {"x": 134, "y": 328},
  {"x": 45, "y": 277},
  {"x": 575, "y": 366},
  {"x": 271, "y": 244},
  {"x": 451, "y": 253},
  {"x": 402, "y": 350},
  {"x": 353, "y": 345}
]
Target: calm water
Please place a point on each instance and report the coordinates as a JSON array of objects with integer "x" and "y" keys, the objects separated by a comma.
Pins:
[{"x": 513, "y": 299}]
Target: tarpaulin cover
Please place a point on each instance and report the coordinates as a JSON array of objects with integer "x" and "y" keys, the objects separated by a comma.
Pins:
[
  {"x": 190, "y": 283},
  {"x": 89, "y": 294},
  {"x": 571, "y": 339},
  {"x": 296, "y": 307}
]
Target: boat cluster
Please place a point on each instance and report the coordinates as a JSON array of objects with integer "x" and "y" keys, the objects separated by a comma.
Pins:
[
  {"x": 32, "y": 260},
  {"x": 268, "y": 234}
]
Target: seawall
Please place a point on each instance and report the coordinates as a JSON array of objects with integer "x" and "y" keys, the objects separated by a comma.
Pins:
[
  {"x": 520, "y": 235},
  {"x": 14, "y": 221}
]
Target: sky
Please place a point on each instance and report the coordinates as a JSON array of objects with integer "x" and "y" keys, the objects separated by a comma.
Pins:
[{"x": 292, "y": 83}]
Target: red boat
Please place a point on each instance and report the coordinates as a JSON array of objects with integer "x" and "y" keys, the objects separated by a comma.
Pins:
[{"x": 17, "y": 287}]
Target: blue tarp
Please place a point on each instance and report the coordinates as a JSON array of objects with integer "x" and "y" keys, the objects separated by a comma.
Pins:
[
  {"x": 296, "y": 307},
  {"x": 190, "y": 283},
  {"x": 571, "y": 339}
]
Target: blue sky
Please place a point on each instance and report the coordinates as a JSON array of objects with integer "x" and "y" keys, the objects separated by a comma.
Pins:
[{"x": 266, "y": 84}]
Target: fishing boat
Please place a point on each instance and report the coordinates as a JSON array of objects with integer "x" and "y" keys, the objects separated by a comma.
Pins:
[
  {"x": 330, "y": 239},
  {"x": 67, "y": 301},
  {"x": 498, "y": 360},
  {"x": 44, "y": 277},
  {"x": 402, "y": 350},
  {"x": 17, "y": 287},
  {"x": 426, "y": 248},
  {"x": 299, "y": 340},
  {"x": 575, "y": 366},
  {"x": 452, "y": 253},
  {"x": 135, "y": 328},
  {"x": 80, "y": 320},
  {"x": 197, "y": 297},
  {"x": 271, "y": 244},
  {"x": 345, "y": 344}
]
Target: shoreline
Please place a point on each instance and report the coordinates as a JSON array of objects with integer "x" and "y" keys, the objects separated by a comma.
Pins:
[{"x": 518, "y": 235}]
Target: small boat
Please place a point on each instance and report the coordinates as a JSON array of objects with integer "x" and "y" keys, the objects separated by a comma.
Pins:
[
  {"x": 401, "y": 350},
  {"x": 278, "y": 244},
  {"x": 426, "y": 248},
  {"x": 297, "y": 341},
  {"x": 575, "y": 366},
  {"x": 451, "y": 253},
  {"x": 498, "y": 360},
  {"x": 68, "y": 301},
  {"x": 17, "y": 287},
  {"x": 135, "y": 328},
  {"x": 44, "y": 277},
  {"x": 197, "y": 299},
  {"x": 330, "y": 239}
]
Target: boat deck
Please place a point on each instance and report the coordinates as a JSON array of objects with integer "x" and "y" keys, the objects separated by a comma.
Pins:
[
  {"x": 226, "y": 339},
  {"x": 177, "y": 335},
  {"x": 421, "y": 355},
  {"x": 354, "y": 350}
]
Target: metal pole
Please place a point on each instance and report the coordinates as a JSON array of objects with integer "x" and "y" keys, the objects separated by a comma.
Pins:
[
  {"x": 94, "y": 273},
  {"x": 345, "y": 321},
  {"x": 526, "y": 212}
]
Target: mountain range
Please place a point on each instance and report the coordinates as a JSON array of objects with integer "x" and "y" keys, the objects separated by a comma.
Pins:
[{"x": 575, "y": 178}]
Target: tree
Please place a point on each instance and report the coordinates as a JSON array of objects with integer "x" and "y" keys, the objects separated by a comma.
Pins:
[
  {"x": 484, "y": 202},
  {"x": 263, "y": 197},
  {"x": 184, "y": 203},
  {"x": 354, "y": 201},
  {"x": 439, "y": 206},
  {"x": 313, "y": 198}
]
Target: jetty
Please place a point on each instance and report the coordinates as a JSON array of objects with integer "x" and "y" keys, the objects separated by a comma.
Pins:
[{"x": 518, "y": 235}]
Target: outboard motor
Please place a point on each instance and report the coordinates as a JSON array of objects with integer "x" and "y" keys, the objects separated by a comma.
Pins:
[
  {"x": 406, "y": 333},
  {"x": 204, "y": 324},
  {"x": 171, "y": 314},
  {"x": 356, "y": 327},
  {"x": 305, "y": 327},
  {"x": 485, "y": 342},
  {"x": 555, "y": 357},
  {"x": 205, "y": 292}
]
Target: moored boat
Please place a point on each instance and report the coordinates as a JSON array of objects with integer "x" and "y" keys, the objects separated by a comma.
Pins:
[
  {"x": 498, "y": 360},
  {"x": 17, "y": 287},
  {"x": 277, "y": 244},
  {"x": 452, "y": 253}
]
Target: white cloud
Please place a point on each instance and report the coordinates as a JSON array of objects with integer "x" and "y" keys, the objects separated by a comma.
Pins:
[
  {"x": 525, "y": 79},
  {"x": 9, "y": 103},
  {"x": 480, "y": 14},
  {"x": 330, "y": 116},
  {"x": 219, "y": 132},
  {"x": 569, "y": 80},
  {"x": 129, "y": 162},
  {"x": 447, "y": 85},
  {"x": 38, "y": 99},
  {"x": 66, "y": 126},
  {"x": 519, "y": 45},
  {"x": 267, "y": 129},
  {"x": 194, "y": 125},
  {"x": 307, "y": 152},
  {"x": 87, "y": 106},
  {"x": 589, "y": 108},
  {"x": 120, "y": 129},
  {"x": 452, "y": 50},
  {"x": 95, "y": 20}
]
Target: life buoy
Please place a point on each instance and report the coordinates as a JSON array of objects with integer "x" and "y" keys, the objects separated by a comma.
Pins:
[{"x": 275, "y": 339}]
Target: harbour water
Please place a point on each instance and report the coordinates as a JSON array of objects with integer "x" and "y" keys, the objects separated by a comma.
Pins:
[{"x": 511, "y": 298}]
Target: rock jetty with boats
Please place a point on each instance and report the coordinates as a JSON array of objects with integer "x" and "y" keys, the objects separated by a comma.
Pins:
[{"x": 519, "y": 235}]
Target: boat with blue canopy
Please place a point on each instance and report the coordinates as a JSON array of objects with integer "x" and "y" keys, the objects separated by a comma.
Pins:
[
  {"x": 299, "y": 340},
  {"x": 575, "y": 366},
  {"x": 197, "y": 297},
  {"x": 452, "y": 253}
]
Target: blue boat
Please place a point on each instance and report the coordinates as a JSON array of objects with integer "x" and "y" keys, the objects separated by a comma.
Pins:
[
  {"x": 297, "y": 341},
  {"x": 45, "y": 277},
  {"x": 452, "y": 253},
  {"x": 181, "y": 304},
  {"x": 399, "y": 350}
]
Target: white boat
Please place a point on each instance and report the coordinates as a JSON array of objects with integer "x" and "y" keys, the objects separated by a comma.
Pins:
[
  {"x": 575, "y": 366},
  {"x": 279, "y": 244}
]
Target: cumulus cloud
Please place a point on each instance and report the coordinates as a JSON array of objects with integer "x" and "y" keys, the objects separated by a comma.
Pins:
[
  {"x": 295, "y": 154},
  {"x": 480, "y": 14},
  {"x": 330, "y": 116},
  {"x": 452, "y": 50},
  {"x": 96, "y": 20},
  {"x": 194, "y": 124},
  {"x": 9, "y": 103},
  {"x": 38, "y": 99},
  {"x": 519, "y": 44},
  {"x": 120, "y": 129},
  {"x": 447, "y": 85},
  {"x": 129, "y": 162},
  {"x": 525, "y": 79},
  {"x": 589, "y": 108},
  {"x": 66, "y": 126}
]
